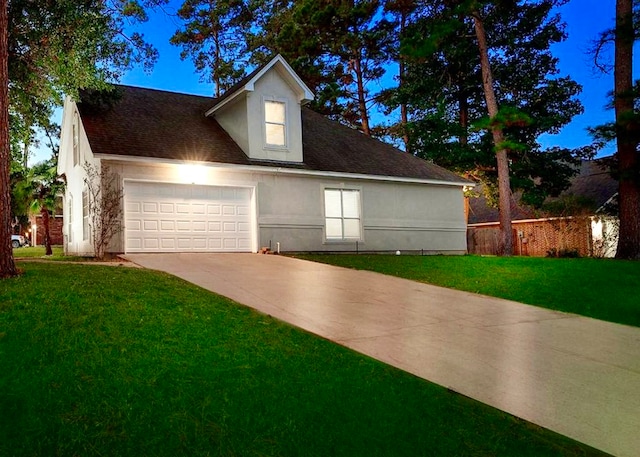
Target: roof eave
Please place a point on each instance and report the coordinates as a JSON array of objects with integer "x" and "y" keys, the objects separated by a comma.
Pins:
[{"x": 285, "y": 170}]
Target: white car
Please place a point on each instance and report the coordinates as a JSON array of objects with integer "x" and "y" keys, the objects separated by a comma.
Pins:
[{"x": 17, "y": 241}]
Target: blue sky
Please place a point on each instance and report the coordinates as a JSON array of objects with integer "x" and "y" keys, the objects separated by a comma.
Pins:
[{"x": 585, "y": 19}]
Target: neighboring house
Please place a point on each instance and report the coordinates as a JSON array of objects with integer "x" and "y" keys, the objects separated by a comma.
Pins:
[
  {"x": 251, "y": 169},
  {"x": 577, "y": 221},
  {"x": 56, "y": 225}
]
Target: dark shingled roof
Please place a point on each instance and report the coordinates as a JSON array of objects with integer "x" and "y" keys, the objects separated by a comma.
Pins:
[
  {"x": 168, "y": 125},
  {"x": 593, "y": 184}
]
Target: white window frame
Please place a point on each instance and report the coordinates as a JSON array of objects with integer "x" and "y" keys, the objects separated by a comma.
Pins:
[
  {"x": 76, "y": 139},
  {"x": 70, "y": 220},
  {"x": 284, "y": 102},
  {"x": 342, "y": 218},
  {"x": 85, "y": 215}
]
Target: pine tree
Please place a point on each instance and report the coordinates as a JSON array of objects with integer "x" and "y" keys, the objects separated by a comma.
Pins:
[
  {"x": 448, "y": 120},
  {"x": 212, "y": 35}
]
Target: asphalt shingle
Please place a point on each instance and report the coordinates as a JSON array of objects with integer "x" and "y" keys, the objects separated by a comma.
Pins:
[{"x": 167, "y": 125}]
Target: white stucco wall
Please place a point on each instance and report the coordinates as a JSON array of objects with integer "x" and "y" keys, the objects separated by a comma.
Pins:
[
  {"x": 75, "y": 177},
  {"x": 289, "y": 207},
  {"x": 233, "y": 118}
]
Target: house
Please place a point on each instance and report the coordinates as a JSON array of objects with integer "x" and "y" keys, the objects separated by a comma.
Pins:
[
  {"x": 56, "y": 225},
  {"x": 254, "y": 168},
  {"x": 576, "y": 221}
]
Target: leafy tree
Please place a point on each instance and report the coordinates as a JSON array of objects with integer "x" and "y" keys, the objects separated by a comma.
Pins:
[
  {"x": 54, "y": 47},
  {"x": 212, "y": 35}
]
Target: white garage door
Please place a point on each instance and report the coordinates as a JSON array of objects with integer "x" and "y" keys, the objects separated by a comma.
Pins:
[{"x": 161, "y": 217}]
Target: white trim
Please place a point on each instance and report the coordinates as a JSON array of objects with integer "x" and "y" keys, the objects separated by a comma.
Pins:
[
  {"x": 281, "y": 170},
  {"x": 250, "y": 85}
]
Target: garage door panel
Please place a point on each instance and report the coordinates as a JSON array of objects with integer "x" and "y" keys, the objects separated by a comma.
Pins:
[
  {"x": 199, "y": 243},
  {"x": 167, "y": 208},
  {"x": 168, "y": 243},
  {"x": 184, "y": 244},
  {"x": 167, "y": 226},
  {"x": 199, "y": 226},
  {"x": 215, "y": 227},
  {"x": 151, "y": 243},
  {"x": 229, "y": 243},
  {"x": 150, "y": 225},
  {"x": 162, "y": 217},
  {"x": 149, "y": 207}
]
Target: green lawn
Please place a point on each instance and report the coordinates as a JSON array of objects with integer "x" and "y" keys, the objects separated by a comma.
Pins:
[
  {"x": 37, "y": 251},
  {"x": 116, "y": 361},
  {"x": 605, "y": 289}
]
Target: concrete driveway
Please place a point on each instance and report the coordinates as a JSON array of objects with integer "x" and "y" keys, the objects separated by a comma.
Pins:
[{"x": 577, "y": 376}]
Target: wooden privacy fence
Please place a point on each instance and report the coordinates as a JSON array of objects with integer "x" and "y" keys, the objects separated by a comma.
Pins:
[{"x": 534, "y": 237}]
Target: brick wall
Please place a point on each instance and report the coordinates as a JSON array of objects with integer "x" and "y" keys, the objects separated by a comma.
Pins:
[{"x": 55, "y": 229}]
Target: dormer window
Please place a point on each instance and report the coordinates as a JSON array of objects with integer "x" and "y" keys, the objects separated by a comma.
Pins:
[{"x": 275, "y": 126}]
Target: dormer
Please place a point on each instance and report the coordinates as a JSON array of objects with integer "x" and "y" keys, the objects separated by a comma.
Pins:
[{"x": 262, "y": 112}]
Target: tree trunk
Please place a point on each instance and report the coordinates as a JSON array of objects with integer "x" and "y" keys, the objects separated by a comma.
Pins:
[
  {"x": 626, "y": 136},
  {"x": 404, "y": 116},
  {"x": 362, "y": 102},
  {"x": 7, "y": 264},
  {"x": 504, "y": 187},
  {"x": 47, "y": 233},
  {"x": 463, "y": 107}
]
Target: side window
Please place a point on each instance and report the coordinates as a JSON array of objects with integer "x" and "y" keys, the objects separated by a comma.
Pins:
[
  {"x": 85, "y": 215},
  {"x": 342, "y": 215},
  {"x": 76, "y": 139},
  {"x": 275, "y": 128}
]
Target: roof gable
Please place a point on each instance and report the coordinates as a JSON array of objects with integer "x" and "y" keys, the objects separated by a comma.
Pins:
[{"x": 248, "y": 84}]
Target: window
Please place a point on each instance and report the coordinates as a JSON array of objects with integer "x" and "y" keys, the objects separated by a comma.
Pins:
[
  {"x": 275, "y": 126},
  {"x": 70, "y": 221},
  {"x": 342, "y": 214},
  {"x": 85, "y": 215},
  {"x": 76, "y": 140}
]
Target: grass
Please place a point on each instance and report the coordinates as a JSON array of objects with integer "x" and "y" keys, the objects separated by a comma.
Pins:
[
  {"x": 115, "y": 361},
  {"x": 37, "y": 251},
  {"x": 604, "y": 289}
]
